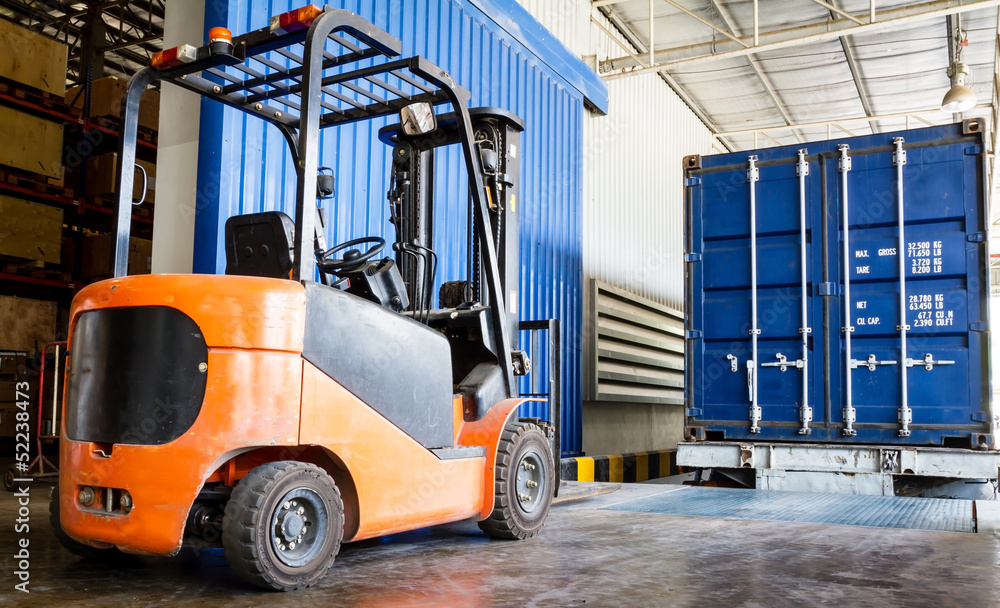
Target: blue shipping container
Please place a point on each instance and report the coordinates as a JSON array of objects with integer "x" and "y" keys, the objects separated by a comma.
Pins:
[
  {"x": 793, "y": 314},
  {"x": 497, "y": 51}
]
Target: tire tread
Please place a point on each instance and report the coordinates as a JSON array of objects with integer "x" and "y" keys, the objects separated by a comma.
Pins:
[
  {"x": 501, "y": 523},
  {"x": 239, "y": 527}
]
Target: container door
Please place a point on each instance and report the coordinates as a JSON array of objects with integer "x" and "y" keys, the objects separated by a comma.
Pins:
[
  {"x": 745, "y": 263},
  {"x": 908, "y": 316}
]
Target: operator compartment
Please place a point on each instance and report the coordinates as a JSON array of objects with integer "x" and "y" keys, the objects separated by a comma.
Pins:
[{"x": 136, "y": 376}]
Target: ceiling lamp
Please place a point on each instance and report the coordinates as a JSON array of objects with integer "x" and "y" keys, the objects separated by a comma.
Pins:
[{"x": 959, "y": 97}]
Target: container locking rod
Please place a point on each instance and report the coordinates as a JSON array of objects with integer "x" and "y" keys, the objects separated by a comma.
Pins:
[
  {"x": 753, "y": 175},
  {"x": 850, "y": 414},
  {"x": 905, "y": 413}
]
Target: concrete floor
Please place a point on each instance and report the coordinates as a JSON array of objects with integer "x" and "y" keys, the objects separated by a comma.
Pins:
[{"x": 584, "y": 557}]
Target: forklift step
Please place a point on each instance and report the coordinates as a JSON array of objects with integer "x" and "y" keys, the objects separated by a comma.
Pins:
[{"x": 463, "y": 452}]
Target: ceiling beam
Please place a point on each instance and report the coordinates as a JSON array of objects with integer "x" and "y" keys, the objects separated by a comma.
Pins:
[
  {"x": 638, "y": 47},
  {"x": 707, "y": 23},
  {"x": 810, "y": 33},
  {"x": 836, "y": 9},
  {"x": 836, "y": 121},
  {"x": 765, "y": 80},
  {"x": 852, "y": 65}
]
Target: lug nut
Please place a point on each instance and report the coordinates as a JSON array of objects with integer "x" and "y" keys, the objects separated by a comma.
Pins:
[
  {"x": 86, "y": 496},
  {"x": 126, "y": 501},
  {"x": 300, "y": 511},
  {"x": 286, "y": 505},
  {"x": 532, "y": 484},
  {"x": 291, "y": 545},
  {"x": 282, "y": 547}
]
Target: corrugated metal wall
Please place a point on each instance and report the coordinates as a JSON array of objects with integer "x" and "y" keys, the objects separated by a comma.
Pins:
[
  {"x": 634, "y": 190},
  {"x": 253, "y": 165}
]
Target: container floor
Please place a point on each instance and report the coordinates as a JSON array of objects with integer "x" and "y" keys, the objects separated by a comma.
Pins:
[{"x": 590, "y": 553}]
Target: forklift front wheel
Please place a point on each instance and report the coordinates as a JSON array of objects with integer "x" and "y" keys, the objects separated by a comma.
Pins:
[
  {"x": 524, "y": 483},
  {"x": 283, "y": 525}
]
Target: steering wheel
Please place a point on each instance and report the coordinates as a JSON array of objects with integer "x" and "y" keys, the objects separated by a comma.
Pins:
[{"x": 353, "y": 259}]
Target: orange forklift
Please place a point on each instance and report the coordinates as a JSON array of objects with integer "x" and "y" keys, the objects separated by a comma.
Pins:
[{"x": 307, "y": 399}]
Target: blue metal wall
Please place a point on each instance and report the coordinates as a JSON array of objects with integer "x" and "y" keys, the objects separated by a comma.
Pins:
[{"x": 505, "y": 59}]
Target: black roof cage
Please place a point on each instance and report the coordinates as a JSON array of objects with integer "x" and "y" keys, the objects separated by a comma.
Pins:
[{"x": 289, "y": 78}]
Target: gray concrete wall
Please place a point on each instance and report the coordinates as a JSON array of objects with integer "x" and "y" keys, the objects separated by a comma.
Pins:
[{"x": 623, "y": 428}]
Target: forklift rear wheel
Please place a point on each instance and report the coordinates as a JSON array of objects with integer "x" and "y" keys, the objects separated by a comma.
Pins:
[
  {"x": 524, "y": 483},
  {"x": 283, "y": 525},
  {"x": 76, "y": 547},
  {"x": 8, "y": 479}
]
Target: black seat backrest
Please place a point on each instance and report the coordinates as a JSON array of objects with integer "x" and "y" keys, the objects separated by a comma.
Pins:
[{"x": 260, "y": 245}]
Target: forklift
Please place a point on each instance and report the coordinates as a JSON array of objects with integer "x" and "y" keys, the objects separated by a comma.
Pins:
[{"x": 311, "y": 396}]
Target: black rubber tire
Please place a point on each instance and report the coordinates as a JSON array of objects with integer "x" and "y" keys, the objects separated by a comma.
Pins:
[
  {"x": 8, "y": 479},
  {"x": 521, "y": 442},
  {"x": 247, "y": 532},
  {"x": 73, "y": 546}
]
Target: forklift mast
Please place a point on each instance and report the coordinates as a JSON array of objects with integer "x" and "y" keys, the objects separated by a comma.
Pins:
[{"x": 411, "y": 199}]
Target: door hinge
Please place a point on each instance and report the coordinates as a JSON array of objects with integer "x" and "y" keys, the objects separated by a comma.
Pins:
[
  {"x": 976, "y": 237},
  {"x": 827, "y": 289},
  {"x": 980, "y": 417},
  {"x": 973, "y": 150},
  {"x": 693, "y": 334},
  {"x": 692, "y": 181},
  {"x": 693, "y": 412},
  {"x": 977, "y": 326},
  {"x": 692, "y": 257}
]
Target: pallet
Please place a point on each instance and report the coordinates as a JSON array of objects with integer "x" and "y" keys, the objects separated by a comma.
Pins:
[
  {"x": 23, "y": 269},
  {"x": 32, "y": 98},
  {"x": 36, "y": 183},
  {"x": 144, "y": 135},
  {"x": 144, "y": 210}
]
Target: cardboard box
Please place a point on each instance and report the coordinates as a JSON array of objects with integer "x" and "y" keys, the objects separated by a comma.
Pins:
[
  {"x": 30, "y": 143},
  {"x": 102, "y": 179},
  {"x": 26, "y": 325},
  {"x": 32, "y": 231},
  {"x": 32, "y": 59},
  {"x": 12, "y": 363},
  {"x": 8, "y": 418},
  {"x": 96, "y": 260},
  {"x": 106, "y": 100}
]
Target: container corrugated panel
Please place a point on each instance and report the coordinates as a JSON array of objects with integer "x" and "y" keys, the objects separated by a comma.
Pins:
[
  {"x": 244, "y": 166},
  {"x": 943, "y": 294}
]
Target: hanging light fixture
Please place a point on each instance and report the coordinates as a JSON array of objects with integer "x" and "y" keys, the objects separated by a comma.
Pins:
[{"x": 959, "y": 97}]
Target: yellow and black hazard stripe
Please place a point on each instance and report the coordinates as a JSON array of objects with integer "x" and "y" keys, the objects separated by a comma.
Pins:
[{"x": 621, "y": 468}]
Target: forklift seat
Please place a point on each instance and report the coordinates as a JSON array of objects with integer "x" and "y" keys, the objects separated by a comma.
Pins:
[{"x": 260, "y": 245}]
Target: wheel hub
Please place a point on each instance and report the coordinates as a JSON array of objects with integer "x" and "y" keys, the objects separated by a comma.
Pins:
[
  {"x": 292, "y": 525},
  {"x": 529, "y": 481},
  {"x": 299, "y": 527}
]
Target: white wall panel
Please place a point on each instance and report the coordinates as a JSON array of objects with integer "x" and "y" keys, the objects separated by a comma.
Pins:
[
  {"x": 633, "y": 226},
  {"x": 568, "y": 20},
  {"x": 633, "y": 181}
]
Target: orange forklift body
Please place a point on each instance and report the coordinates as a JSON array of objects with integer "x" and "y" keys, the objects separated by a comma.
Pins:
[{"x": 262, "y": 395}]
